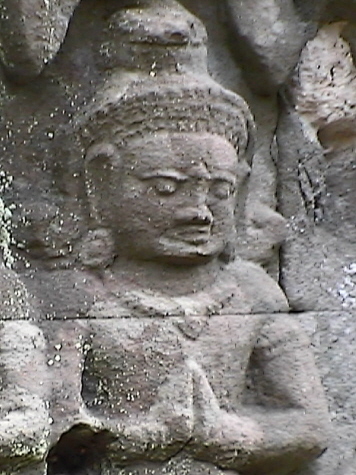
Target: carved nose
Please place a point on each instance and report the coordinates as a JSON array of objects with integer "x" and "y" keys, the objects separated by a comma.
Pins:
[{"x": 195, "y": 215}]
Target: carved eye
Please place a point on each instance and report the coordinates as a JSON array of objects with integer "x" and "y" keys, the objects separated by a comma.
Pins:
[
  {"x": 222, "y": 189},
  {"x": 165, "y": 186}
]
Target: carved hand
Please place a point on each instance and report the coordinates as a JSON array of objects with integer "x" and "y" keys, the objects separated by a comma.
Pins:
[
  {"x": 220, "y": 437},
  {"x": 162, "y": 431}
]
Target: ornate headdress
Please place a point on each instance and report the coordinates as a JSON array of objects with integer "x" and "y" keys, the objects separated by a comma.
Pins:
[
  {"x": 168, "y": 95},
  {"x": 183, "y": 104}
]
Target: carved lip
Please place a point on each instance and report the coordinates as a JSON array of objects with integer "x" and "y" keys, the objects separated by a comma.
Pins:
[
  {"x": 171, "y": 39},
  {"x": 193, "y": 234}
]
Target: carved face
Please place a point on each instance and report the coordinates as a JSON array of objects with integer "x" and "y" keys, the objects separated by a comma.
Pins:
[{"x": 172, "y": 197}]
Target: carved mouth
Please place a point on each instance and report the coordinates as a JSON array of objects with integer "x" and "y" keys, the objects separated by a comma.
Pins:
[{"x": 193, "y": 234}]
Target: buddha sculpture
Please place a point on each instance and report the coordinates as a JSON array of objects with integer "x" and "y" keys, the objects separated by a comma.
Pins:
[{"x": 191, "y": 364}]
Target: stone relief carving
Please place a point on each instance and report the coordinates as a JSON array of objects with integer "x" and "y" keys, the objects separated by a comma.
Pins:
[
  {"x": 175, "y": 331},
  {"x": 24, "y": 421},
  {"x": 169, "y": 349}
]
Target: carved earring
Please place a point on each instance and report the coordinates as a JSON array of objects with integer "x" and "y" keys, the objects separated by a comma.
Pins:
[
  {"x": 97, "y": 249},
  {"x": 97, "y": 170}
]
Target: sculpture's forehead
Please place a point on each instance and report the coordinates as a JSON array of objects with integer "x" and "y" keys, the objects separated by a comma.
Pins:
[{"x": 182, "y": 150}]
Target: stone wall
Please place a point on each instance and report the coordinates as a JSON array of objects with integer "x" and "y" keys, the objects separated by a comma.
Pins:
[{"x": 83, "y": 83}]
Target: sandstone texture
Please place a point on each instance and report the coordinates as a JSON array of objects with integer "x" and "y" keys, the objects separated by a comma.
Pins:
[{"x": 177, "y": 237}]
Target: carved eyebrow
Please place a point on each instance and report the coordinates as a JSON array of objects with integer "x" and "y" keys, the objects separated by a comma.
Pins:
[{"x": 173, "y": 174}]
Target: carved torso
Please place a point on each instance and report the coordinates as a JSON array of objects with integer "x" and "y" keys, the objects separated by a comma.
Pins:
[{"x": 131, "y": 358}]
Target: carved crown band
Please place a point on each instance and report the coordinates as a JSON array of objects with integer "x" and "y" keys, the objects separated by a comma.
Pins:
[{"x": 182, "y": 104}]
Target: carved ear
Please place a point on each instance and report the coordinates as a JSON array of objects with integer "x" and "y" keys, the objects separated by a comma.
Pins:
[{"x": 98, "y": 169}]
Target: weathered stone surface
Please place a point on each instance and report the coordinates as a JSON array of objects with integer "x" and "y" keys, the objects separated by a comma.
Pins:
[
  {"x": 269, "y": 37},
  {"x": 317, "y": 191},
  {"x": 24, "y": 418},
  {"x": 332, "y": 335},
  {"x": 147, "y": 235},
  {"x": 32, "y": 32},
  {"x": 146, "y": 380}
]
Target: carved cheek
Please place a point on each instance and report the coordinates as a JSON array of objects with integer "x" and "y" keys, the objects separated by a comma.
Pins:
[{"x": 223, "y": 211}]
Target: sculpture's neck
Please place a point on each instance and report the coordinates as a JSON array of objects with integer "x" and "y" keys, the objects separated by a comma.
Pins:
[{"x": 171, "y": 280}]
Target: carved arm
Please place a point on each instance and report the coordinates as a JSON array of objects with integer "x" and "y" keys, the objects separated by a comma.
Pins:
[{"x": 289, "y": 424}]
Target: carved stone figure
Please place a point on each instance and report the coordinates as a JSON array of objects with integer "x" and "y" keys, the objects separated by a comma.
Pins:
[
  {"x": 190, "y": 361},
  {"x": 178, "y": 333}
]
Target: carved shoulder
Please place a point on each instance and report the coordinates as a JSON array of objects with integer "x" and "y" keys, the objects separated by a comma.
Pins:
[{"x": 263, "y": 293}]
